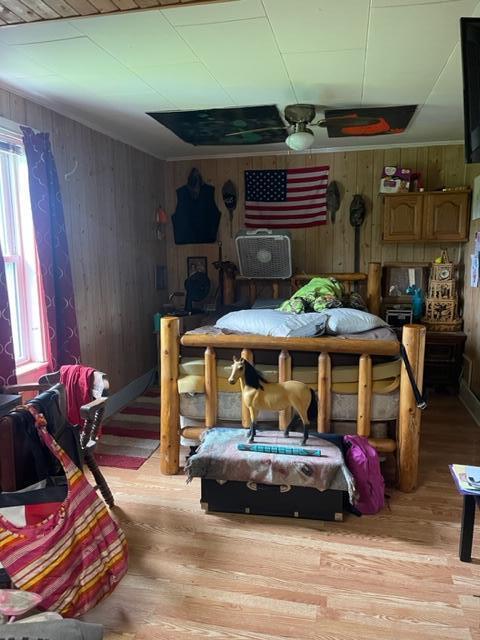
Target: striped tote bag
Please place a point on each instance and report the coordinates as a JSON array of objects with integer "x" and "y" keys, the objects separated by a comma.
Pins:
[{"x": 74, "y": 556}]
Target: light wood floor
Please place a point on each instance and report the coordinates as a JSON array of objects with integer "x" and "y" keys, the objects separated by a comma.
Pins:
[{"x": 391, "y": 576}]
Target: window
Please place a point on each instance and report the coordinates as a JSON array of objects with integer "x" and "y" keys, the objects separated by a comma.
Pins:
[{"x": 17, "y": 240}]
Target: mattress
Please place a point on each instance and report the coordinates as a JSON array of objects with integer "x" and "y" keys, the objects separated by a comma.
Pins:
[{"x": 344, "y": 407}]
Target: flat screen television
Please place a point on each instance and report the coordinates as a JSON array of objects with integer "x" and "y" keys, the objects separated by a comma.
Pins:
[{"x": 470, "y": 41}]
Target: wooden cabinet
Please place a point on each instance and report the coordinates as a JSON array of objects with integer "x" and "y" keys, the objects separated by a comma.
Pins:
[
  {"x": 403, "y": 217},
  {"x": 437, "y": 216}
]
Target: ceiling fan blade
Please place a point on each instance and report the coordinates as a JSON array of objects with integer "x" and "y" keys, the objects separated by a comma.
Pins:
[
  {"x": 239, "y": 133},
  {"x": 348, "y": 120}
]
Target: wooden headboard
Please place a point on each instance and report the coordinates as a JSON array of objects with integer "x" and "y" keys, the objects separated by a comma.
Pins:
[{"x": 372, "y": 281}]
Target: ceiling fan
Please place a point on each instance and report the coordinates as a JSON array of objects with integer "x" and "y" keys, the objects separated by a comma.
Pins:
[{"x": 364, "y": 121}]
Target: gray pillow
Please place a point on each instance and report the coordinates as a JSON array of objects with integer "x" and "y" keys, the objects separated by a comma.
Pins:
[{"x": 270, "y": 322}]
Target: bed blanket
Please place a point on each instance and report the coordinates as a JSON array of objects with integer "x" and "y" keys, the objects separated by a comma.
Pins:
[{"x": 218, "y": 458}]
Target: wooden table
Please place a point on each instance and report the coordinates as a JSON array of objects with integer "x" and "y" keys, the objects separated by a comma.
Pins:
[{"x": 471, "y": 499}]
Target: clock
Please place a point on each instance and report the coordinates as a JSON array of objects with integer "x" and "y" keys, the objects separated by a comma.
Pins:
[{"x": 444, "y": 274}]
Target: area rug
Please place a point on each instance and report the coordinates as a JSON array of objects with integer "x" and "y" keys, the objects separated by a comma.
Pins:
[{"x": 130, "y": 436}]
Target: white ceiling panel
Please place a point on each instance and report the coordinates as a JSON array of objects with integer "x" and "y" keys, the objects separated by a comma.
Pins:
[
  {"x": 318, "y": 25},
  {"x": 396, "y": 3},
  {"x": 16, "y": 65},
  {"x": 69, "y": 57},
  {"x": 187, "y": 86},
  {"x": 38, "y": 32},
  {"x": 121, "y": 81},
  {"x": 330, "y": 78},
  {"x": 408, "y": 48},
  {"x": 443, "y": 109},
  {"x": 215, "y": 12},
  {"x": 249, "y": 58},
  {"x": 137, "y": 39}
]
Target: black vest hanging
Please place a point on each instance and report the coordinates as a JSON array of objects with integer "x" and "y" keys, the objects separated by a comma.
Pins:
[{"x": 196, "y": 217}]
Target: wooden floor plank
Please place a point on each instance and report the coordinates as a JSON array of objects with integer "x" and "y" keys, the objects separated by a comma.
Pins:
[{"x": 392, "y": 576}]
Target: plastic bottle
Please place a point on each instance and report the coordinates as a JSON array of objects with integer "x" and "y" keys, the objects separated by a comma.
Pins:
[{"x": 417, "y": 305}]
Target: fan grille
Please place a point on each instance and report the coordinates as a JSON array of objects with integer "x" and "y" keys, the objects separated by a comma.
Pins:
[{"x": 264, "y": 256}]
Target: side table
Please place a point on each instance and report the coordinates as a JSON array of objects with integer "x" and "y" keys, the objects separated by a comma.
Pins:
[{"x": 471, "y": 499}]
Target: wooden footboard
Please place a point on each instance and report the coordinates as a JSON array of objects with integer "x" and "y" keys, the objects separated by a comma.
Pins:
[{"x": 406, "y": 443}]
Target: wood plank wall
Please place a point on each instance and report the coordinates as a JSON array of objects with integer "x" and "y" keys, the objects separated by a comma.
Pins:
[
  {"x": 109, "y": 204},
  {"x": 330, "y": 247}
]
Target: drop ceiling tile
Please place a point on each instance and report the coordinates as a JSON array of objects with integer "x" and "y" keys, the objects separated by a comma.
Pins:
[
  {"x": 187, "y": 86},
  {"x": 215, "y": 12},
  {"x": 431, "y": 33},
  {"x": 251, "y": 61},
  {"x": 396, "y": 3},
  {"x": 120, "y": 81},
  {"x": 38, "y": 32},
  {"x": 138, "y": 102},
  {"x": 318, "y": 25},
  {"x": 329, "y": 78},
  {"x": 441, "y": 117},
  {"x": 137, "y": 39},
  {"x": 266, "y": 93},
  {"x": 68, "y": 57},
  {"x": 14, "y": 64}
]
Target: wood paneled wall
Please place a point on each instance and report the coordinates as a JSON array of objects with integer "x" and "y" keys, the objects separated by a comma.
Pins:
[
  {"x": 330, "y": 247},
  {"x": 109, "y": 202}
]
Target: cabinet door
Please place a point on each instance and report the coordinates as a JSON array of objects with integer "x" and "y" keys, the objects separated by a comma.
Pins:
[
  {"x": 446, "y": 217},
  {"x": 402, "y": 220}
]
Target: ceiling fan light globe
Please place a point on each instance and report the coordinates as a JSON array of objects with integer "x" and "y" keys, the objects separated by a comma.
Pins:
[{"x": 300, "y": 140}]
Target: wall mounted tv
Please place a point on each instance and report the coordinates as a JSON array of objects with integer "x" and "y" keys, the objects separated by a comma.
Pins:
[{"x": 470, "y": 40}]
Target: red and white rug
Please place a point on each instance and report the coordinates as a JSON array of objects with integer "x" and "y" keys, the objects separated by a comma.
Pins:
[{"x": 130, "y": 436}]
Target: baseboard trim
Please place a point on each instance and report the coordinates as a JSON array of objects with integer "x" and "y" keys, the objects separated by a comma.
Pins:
[
  {"x": 118, "y": 400},
  {"x": 470, "y": 401}
]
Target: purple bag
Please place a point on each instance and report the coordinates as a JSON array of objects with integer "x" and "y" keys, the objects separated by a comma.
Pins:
[{"x": 362, "y": 460}]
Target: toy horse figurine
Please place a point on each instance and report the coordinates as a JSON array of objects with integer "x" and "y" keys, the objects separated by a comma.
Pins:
[{"x": 258, "y": 394}]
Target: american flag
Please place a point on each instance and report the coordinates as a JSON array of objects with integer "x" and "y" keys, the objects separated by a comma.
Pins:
[{"x": 286, "y": 198}]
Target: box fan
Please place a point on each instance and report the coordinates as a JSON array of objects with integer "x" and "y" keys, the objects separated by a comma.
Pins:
[{"x": 264, "y": 254}]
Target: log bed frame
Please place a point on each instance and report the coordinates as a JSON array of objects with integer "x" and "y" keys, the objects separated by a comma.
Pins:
[{"x": 406, "y": 443}]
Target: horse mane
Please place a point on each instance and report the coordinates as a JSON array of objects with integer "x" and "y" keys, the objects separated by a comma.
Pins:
[{"x": 253, "y": 378}]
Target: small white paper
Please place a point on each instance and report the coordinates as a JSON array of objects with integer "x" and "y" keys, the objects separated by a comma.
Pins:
[{"x": 474, "y": 270}]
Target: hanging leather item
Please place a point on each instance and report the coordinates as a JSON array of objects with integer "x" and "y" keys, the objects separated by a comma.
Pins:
[
  {"x": 333, "y": 200},
  {"x": 196, "y": 217},
  {"x": 358, "y": 211},
  {"x": 229, "y": 193}
]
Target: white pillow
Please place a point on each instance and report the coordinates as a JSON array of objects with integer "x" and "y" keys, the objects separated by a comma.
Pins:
[
  {"x": 269, "y": 322},
  {"x": 341, "y": 321}
]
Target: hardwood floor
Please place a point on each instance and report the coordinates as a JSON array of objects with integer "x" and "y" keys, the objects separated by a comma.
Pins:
[{"x": 391, "y": 576}]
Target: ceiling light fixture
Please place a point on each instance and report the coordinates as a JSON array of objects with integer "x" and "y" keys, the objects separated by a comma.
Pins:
[{"x": 301, "y": 139}]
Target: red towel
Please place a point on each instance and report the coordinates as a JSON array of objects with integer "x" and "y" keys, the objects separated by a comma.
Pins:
[{"x": 78, "y": 384}]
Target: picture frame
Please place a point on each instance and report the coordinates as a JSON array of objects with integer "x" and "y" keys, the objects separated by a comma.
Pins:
[
  {"x": 476, "y": 199},
  {"x": 196, "y": 264}
]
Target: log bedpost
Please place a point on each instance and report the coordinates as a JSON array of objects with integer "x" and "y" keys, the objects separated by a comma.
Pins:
[
  {"x": 247, "y": 354},
  {"x": 228, "y": 288},
  {"x": 169, "y": 396},
  {"x": 374, "y": 292},
  {"x": 324, "y": 392},
  {"x": 211, "y": 399},
  {"x": 364, "y": 396},
  {"x": 413, "y": 339},
  {"x": 284, "y": 374}
]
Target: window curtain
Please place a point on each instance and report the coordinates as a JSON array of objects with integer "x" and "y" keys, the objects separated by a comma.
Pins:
[
  {"x": 7, "y": 356},
  {"x": 52, "y": 248}
]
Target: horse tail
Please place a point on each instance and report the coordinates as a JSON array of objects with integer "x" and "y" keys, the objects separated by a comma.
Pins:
[{"x": 312, "y": 407}]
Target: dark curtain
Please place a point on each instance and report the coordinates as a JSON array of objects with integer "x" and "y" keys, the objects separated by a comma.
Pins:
[
  {"x": 7, "y": 356},
  {"x": 52, "y": 247}
]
